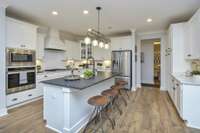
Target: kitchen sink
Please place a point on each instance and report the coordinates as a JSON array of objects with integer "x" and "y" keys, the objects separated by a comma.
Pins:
[{"x": 72, "y": 77}]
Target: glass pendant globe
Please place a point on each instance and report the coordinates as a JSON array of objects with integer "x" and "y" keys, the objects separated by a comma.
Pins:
[
  {"x": 87, "y": 40},
  {"x": 106, "y": 46},
  {"x": 101, "y": 44},
  {"x": 95, "y": 42}
]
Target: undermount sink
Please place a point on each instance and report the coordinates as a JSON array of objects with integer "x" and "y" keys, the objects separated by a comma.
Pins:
[{"x": 72, "y": 77}]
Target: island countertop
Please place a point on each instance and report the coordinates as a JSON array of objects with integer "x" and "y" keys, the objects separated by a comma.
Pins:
[{"x": 82, "y": 83}]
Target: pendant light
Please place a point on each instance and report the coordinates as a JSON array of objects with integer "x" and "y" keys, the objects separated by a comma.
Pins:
[{"x": 99, "y": 39}]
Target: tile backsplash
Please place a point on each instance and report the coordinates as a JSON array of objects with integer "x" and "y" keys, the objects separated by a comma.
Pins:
[{"x": 196, "y": 65}]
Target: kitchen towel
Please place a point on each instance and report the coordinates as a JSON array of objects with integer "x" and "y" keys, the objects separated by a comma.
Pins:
[{"x": 23, "y": 78}]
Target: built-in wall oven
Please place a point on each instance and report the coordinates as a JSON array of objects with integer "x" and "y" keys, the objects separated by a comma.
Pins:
[
  {"x": 21, "y": 70},
  {"x": 20, "y": 79}
]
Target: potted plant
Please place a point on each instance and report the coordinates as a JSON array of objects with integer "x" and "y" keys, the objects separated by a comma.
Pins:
[{"x": 88, "y": 74}]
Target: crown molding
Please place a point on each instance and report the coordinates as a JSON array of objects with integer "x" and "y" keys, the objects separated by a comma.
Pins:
[
  {"x": 4, "y": 4},
  {"x": 153, "y": 32}
]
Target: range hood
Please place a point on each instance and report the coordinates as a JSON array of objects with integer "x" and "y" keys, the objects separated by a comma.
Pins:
[{"x": 53, "y": 41}]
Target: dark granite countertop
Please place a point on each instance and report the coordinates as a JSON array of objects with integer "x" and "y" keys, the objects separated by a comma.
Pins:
[{"x": 82, "y": 83}]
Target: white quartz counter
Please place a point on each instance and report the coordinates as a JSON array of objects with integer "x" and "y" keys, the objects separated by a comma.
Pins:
[{"x": 186, "y": 80}]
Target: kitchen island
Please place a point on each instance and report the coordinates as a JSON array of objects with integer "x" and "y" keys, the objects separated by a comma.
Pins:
[{"x": 65, "y": 102}]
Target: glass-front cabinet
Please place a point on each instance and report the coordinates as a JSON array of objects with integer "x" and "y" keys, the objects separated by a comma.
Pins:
[{"x": 86, "y": 50}]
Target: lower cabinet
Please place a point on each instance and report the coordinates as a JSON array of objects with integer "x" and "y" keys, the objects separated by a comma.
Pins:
[
  {"x": 20, "y": 97},
  {"x": 176, "y": 95},
  {"x": 186, "y": 100}
]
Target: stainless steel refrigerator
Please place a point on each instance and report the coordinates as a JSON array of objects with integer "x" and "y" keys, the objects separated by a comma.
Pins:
[{"x": 122, "y": 63}]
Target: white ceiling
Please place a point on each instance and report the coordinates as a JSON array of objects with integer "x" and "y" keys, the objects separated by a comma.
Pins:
[{"x": 121, "y": 15}]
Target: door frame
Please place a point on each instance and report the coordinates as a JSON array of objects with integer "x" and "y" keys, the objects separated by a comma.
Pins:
[{"x": 162, "y": 35}]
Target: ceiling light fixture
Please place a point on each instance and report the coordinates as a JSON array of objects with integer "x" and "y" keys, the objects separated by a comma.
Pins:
[
  {"x": 89, "y": 29},
  {"x": 96, "y": 36},
  {"x": 149, "y": 20},
  {"x": 85, "y": 12},
  {"x": 55, "y": 13}
]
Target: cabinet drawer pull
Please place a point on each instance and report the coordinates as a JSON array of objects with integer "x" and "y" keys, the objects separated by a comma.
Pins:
[
  {"x": 14, "y": 99},
  {"x": 30, "y": 95},
  {"x": 189, "y": 55},
  {"x": 174, "y": 88}
]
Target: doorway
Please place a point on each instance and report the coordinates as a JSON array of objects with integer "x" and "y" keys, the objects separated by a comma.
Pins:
[{"x": 150, "y": 62}]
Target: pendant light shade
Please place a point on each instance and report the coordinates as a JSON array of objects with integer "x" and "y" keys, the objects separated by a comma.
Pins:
[
  {"x": 106, "y": 46},
  {"x": 87, "y": 40},
  {"x": 101, "y": 44},
  {"x": 95, "y": 43}
]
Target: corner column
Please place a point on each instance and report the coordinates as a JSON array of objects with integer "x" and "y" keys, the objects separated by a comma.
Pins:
[
  {"x": 134, "y": 75},
  {"x": 3, "y": 109}
]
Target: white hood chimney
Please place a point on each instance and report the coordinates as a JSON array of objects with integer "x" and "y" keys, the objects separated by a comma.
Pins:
[{"x": 53, "y": 41}]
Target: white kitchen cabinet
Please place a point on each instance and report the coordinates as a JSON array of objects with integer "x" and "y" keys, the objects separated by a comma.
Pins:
[
  {"x": 20, "y": 34},
  {"x": 186, "y": 100},
  {"x": 176, "y": 41},
  {"x": 192, "y": 33},
  {"x": 20, "y": 97},
  {"x": 72, "y": 50},
  {"x": 121, "y": 43},
  {"x": 101, "y": 53},
  {"x": 40, "y": 46}
]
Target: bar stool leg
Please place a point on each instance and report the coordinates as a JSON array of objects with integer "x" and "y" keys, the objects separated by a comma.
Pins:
[
  {"x": 126, "y": 91},
  {"x": 121, "y": 95},
  {"x": 117, "y": 105},
  {"x": 111, "y": 122}
]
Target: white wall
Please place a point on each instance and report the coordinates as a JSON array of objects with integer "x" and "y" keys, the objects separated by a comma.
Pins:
[
  {"x": 147, "y": 71},
  {"x": 152, "y": 35},
  {"x": 3, "y": 110}
]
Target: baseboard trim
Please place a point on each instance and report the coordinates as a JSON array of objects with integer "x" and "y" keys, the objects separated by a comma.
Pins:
[
  {"x": 78, "y": 126},
  {"x": 138, "y": 85},
  {"x": 192, "y": 126},
  {"x": 53, "y": 129},
  {"x": 3, "y": 112}
]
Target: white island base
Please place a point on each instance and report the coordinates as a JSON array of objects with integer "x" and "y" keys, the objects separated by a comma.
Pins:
[{"x": 66, "y": 110}]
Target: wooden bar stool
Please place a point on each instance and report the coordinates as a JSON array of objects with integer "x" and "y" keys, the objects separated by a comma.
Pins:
[
  {"x": 123, "y": 83},
  {"x": 99, "y": 102},
  {"x": 120, "y": 88},
  {"x": 112, "y": 94}
]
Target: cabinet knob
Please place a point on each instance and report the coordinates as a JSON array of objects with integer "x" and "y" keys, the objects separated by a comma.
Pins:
[
  {"x": 30, "y": 95},
  {"x": 189, "y": 55},
  {"x": 174, "y": 88}
]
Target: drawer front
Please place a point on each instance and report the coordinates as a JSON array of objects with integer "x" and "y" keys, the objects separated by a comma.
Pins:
[{"x": 24, "y": 96}]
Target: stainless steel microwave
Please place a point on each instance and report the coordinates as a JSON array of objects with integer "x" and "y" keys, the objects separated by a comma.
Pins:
[{"x": 20, "y": 57}]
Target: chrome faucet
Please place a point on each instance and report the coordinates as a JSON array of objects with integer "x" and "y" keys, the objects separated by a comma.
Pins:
[{"x": 93, "y": 64}]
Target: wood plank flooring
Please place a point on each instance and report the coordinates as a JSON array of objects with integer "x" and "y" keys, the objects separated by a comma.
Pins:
[{"x": 150, "y": 111}]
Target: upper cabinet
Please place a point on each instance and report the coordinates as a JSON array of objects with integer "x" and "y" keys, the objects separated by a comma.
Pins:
[
  {"x": 177, "y": 46},
  {"x": 121, "y": 43},
  {"x": 20, "y": 34},
  {"x": 192, "y": 39},
  {"x": 101, "y": 53},
  {"x": 72, "y": 49}
]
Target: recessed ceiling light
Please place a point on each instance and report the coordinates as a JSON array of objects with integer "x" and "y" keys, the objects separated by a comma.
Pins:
[
  {"x": 85, "y": 12},
  {"x": 149, "y": 20},
  {"x": 55, "y": 13},
  {"x": 89, "y": 29}
]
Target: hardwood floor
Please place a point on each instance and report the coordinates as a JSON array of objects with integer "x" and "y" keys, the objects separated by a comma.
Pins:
[{"x": 150, "y": 111}]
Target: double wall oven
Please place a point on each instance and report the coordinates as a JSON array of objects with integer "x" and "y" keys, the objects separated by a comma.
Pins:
[{"x": 21, "y": 70}]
